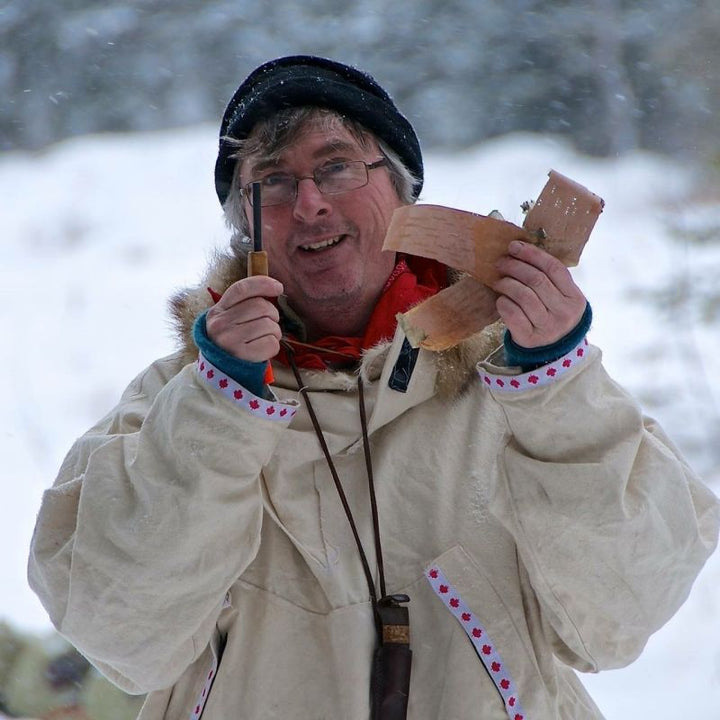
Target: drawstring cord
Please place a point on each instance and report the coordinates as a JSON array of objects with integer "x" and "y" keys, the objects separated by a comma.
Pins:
[
  {"x": 338, "y": 484},
  {"x": 371, "y": 486},
  {"x": 390, "y": 672}
]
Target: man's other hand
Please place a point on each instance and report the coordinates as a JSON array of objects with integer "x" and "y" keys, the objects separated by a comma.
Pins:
[
  {"x": 539, "y": 301},
  {"x": 244, "y": 322}
]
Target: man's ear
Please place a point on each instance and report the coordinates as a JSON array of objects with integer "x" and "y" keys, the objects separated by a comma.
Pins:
[{"x": 248, "y": 218}]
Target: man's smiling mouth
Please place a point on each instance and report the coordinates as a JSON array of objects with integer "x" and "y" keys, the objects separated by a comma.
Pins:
[{"x": 322, "y": 244}]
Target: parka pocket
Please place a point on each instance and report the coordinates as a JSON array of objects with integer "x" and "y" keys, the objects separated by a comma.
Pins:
[
  {"x": 475, "y": 628},
  {"x": 483, "y": 664},
  {"x": 211, "y": 665},
  {"x": 187, "y": 698},
  {"x": 283, "y": 660}
]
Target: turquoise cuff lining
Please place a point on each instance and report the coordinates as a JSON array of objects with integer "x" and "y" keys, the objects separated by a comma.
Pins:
[
  {"x": 532, "y": 358},
  {"x": 251, "y": 375}
]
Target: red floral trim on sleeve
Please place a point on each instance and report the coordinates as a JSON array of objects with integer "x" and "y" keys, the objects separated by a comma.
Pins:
[
  {"x": 238, "y": 394},
  {"x": 482, "y": 642},
  {"x": 536, "y": 378}
]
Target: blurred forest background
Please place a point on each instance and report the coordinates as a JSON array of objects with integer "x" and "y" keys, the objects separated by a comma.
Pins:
[{"x": 613, "y": 75}]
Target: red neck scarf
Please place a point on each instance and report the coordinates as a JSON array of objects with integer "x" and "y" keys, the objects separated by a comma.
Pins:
[{"x": 413, "y": 280}]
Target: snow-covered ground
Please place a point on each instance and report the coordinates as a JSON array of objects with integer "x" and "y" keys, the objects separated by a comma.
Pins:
[{"x": 97, "y": 232}]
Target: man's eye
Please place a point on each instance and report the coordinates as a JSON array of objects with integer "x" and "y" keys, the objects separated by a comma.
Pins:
[
  {"x": 276, "y": 180},
  {"x": 335, "y": 168}
]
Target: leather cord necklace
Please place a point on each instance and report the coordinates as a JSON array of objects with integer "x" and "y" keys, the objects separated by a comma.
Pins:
[{"x": 390, "y": 677}]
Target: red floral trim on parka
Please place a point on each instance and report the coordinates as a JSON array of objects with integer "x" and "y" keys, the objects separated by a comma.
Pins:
[
  {"x": 238, "y": 394},
  {"x": 536, "y": 378},
  {"x": 203, "y": 695},
  {"x": 205, "y": 692},
  {"x": 483, "y": 644}
]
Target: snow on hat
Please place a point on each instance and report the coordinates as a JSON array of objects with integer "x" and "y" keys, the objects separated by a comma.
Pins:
[{"x": 300, "y": 80}]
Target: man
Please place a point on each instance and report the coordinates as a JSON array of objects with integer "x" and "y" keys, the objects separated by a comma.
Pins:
[{"x": 244, "y": 547}]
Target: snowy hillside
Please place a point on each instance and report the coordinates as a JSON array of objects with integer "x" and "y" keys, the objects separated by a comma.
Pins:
[{"x": 96, "y": 233}]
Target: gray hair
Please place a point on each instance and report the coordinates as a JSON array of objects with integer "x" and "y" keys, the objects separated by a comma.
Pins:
[{"x": 272, "y": 136}]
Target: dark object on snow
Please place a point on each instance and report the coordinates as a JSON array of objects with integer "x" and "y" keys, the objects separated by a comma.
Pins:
[{"x": 67, "y": 670}]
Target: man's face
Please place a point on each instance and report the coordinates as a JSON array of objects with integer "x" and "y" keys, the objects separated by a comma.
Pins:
[{"x": 326, "y": 249}]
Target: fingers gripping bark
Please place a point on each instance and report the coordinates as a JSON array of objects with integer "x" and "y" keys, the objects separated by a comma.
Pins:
[
  {"x": 244, "y": 322},
  {"x": 539, "y": 301}
]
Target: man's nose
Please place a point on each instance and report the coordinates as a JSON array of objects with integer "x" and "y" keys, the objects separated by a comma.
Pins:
[{"x": 310, "y": 203}]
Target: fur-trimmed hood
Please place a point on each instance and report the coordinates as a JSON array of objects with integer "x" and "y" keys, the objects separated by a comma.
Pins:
[{"x": 455, "y": 366}]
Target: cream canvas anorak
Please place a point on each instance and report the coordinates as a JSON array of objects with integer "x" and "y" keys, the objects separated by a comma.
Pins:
[{"x": 194, "y": 546}]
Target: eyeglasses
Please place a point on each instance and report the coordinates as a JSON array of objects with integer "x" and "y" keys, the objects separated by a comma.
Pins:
[{"x": 331, "y": 179}]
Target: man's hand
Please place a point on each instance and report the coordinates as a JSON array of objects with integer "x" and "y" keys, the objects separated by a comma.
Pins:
[
  {"x": 539, "y": 301},
  {"x": 244, "y": 322}
]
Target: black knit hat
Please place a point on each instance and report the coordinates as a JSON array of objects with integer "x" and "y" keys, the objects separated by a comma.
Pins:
[{"x": 301, "y": 80}]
